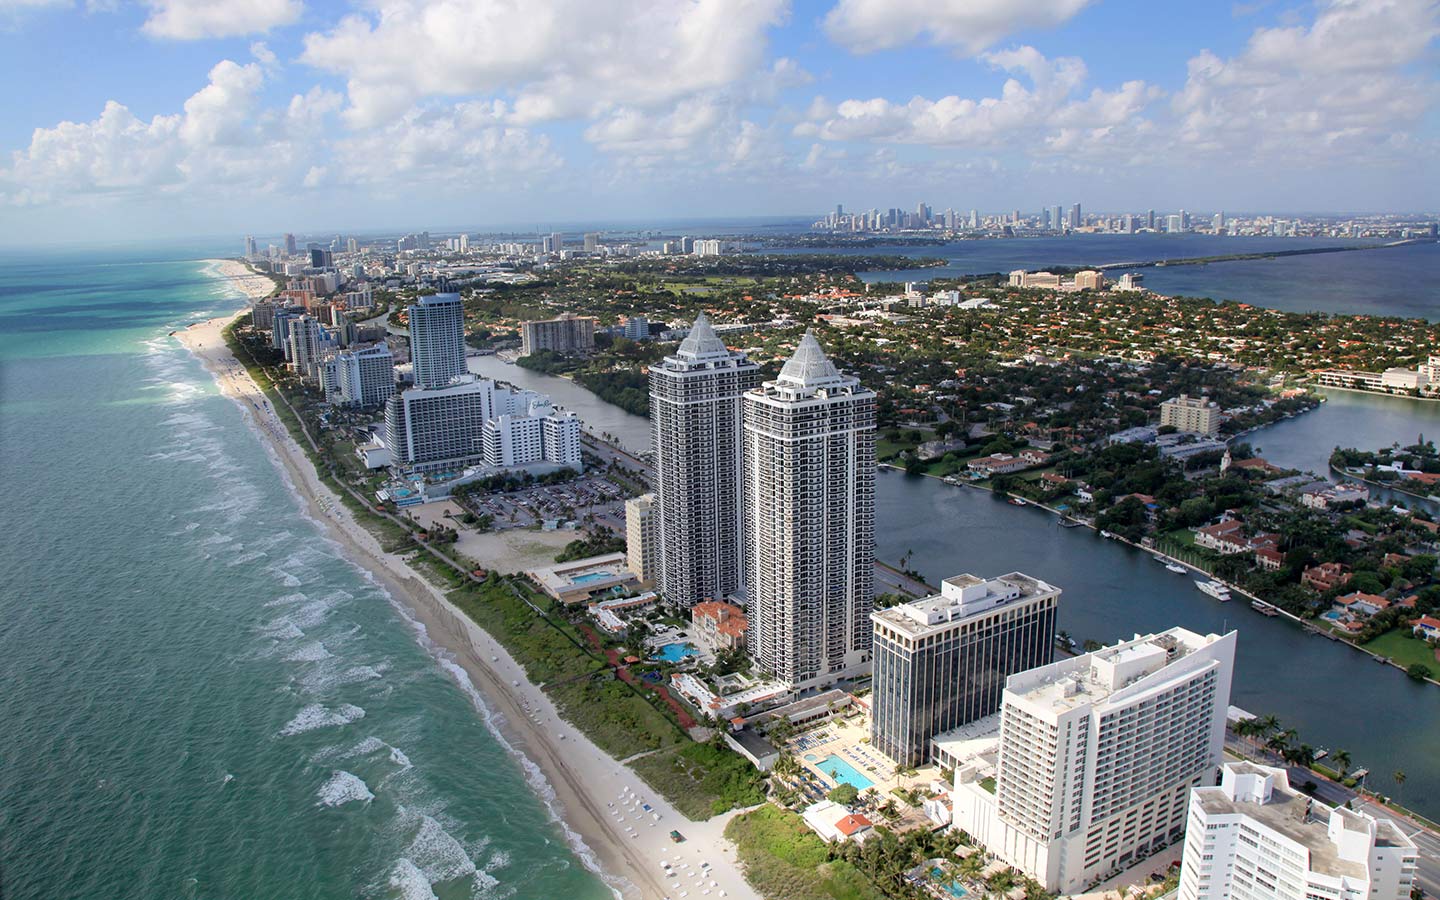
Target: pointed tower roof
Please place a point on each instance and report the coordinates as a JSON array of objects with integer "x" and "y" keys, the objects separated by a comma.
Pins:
[
  {"x": 809, "y": 367},
  {"x": 702, "y": 341}
]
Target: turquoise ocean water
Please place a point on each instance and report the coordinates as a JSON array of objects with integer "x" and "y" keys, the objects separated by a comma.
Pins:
[{"x": 200, "y": 698}]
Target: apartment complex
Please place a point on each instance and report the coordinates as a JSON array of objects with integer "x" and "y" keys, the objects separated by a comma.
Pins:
[
  {"x": 566, "y": 334},
  {"x": 695, "y": 432},
  {"x": 1193, "y": 414},
  {"x": 809, "y": 520},
  {"x": 640, "y": 536},
  {"x": 942, "y": 662},
  {"x": 1097, "y": 756},
  {"x": 538, "y": 434},
  {"x": 437, "y": 340},
  {"x": 443, "y": 425},
  {"x": 365, "y": 376},
  {"x": 1255, "y": 838}
]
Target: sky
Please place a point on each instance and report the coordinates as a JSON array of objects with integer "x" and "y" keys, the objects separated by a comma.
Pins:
[{"x": 170, "y": 117}]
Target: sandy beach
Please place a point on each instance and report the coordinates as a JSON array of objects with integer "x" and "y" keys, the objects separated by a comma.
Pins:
[{"x": 597, "y": 799}]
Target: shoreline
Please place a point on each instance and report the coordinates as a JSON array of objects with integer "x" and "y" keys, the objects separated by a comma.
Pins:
[{"x": 586, "y": 791}]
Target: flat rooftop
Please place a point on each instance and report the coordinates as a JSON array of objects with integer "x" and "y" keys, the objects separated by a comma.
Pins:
[
  {"x": 963, "y": 597},
  {"x": 1095, "y": 677},
  {"x": 1292, "y": 814}
]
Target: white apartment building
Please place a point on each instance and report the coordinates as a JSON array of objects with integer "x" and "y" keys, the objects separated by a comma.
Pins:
[
  {"x": 307, "y": 345},
  {"x": 1097, "y": 756},
  {"x": 941, "y": 662},
  {"x": 364, "y": 376},
  {"x": 539, "y": 434},
  {"x": 439, "y": 427},
  {"x": 809, "y": 521},
  {"x": 640, "y": 536},
  {"x": 1199, "y": 415},
  {"x": 695, "y": 439},
  {"x": 1255, "y": 838},
  {"x": 437, "y": 340},
  {"x": 707, "y": 248}
]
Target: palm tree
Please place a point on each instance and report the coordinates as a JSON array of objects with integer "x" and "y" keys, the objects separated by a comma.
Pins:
[
  {"x": 1266, "y": 724},
  {"x": 1341, "y": 758},
  {"x": 1399, "y": 777}
]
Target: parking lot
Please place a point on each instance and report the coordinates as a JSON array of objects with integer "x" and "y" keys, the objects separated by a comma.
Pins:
[{"x": 573, "y": 501}]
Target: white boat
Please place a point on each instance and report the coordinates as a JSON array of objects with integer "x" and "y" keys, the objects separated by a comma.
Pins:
[
  {"x": 1106, "y": 534},
  {"x": 1214, "y": 589},
  {"x": 1176, "y": 568}
]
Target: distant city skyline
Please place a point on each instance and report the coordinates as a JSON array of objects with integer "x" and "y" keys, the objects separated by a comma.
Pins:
[{"x": 203, "y": 117}]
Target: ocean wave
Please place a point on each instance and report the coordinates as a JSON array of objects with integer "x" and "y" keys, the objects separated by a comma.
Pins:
[
  {"x": 316, "y": 716},
  {"x": 438, "y": 854},
  {"x": 344, "y": 787},
  {"x": 287, "y": 600},
  {"x": 411, "y": 884},
  {"x": 534, "y": 777},
  {"x": 313, "y": 651},
  {"x": 246, "y": 557}
]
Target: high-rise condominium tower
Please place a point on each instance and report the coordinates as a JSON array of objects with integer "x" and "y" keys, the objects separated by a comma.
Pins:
[
  {"x": 437, "y": 340},
  {"x": 1098, "y": 754},
  {"x": 695, "y": 436},
  {"x": 809, "y": 509}
]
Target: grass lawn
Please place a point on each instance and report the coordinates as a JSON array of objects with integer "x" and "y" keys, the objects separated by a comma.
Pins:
[
  {"x": 702, "y": 780},
  {"x": 1400, "y": 645},
  {"x": 784, "y": 858}
]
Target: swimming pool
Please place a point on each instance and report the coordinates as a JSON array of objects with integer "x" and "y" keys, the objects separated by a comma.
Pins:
[
  {"x": 843, "y": 772},
  {"x": 1332, "y": 615},
  {"x": 674, "y": 652},
  {"x": 952, "y": 888},
  {"x": 591, "y": 576}
]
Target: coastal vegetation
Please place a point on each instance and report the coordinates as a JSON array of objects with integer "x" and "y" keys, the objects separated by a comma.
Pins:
[
  {"x": 621, "y": 716},
  {"x": 594, "y": 543}
]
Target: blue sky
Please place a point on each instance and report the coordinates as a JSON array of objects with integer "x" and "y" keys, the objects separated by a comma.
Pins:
[{"x": 163, "y": 117}]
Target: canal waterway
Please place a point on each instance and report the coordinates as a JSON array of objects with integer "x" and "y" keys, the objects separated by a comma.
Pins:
[{"x": 1334, "y": 696}]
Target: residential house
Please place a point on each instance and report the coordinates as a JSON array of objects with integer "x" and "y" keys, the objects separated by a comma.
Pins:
[
  {"x": 1426, "y": 628},
  {"x": 1225, "y": 538},
  {"x": 1360, "y": 604},
  {"x": 1325, "y": 576},
  {"x": 719, "y": 625},
  {"x": 997, "y": 464}
]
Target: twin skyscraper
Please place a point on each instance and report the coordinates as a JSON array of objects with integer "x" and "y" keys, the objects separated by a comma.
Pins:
[{"x": 765, "y": 493}]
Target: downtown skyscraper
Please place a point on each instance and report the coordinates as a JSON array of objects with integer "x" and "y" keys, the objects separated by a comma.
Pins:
[
  {"x": 809, "y": 520},
  {"x": 695, "y": 434}
]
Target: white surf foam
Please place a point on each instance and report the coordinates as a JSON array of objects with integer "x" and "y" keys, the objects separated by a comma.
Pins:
[
  {"x": 438, "y": 854},
  {"x": 344, "y": 787},
  {"x": 411, "y": 884},
  {"x": 311, "y": 651},
  {"x": 316, "y": 716}
]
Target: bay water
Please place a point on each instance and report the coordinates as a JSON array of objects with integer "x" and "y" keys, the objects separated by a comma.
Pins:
[{"x": 201, "y": 698}]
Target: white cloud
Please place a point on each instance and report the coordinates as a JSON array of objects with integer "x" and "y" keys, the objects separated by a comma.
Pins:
[
  {"x": 1050, "y": 112},
  {"x": 188, "y": 20},
  {"x": 1339, "y": 87},
  {"x": 565, "y": 59},
  {"x": 970, "y": 26},
  {"x": 221, "y": 138},
  {"x": 465, "y": 145}
]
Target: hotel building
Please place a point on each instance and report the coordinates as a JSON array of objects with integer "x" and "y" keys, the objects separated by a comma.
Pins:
[
  {"x": 437, "y": 340},
  {"x": 942, "y": 662},
  {"x": 1097, "y": 756},
  {"x": 695, "y": 438},
  {"x": 1255, "y": 838},
  {"x": 809, "y": 521},
  {"x": 365, "y": 376}
]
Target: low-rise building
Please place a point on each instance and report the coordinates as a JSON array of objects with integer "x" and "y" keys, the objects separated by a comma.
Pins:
[
  {"x": 582, "y": 579},
  {"x": 1426, "y": 628},
  {"x": 719, "y": 625},
  {"x": 998, "y": 464},
  {"x": 836, "y": 824},
  {"x": 1226, "y": 538},
  {"x": 1325, "y": 576}
]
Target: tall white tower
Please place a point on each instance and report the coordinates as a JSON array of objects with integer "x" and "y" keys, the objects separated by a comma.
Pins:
[
  {"x": 695, "y": 438},
  {"x": 809, "y": 510},
  {"x": 437, "y": 340}
]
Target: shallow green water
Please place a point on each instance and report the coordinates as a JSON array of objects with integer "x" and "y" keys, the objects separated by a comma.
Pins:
[{"x": 201, "y": 699}]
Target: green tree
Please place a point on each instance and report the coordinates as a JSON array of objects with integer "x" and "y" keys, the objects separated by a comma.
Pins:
[{"x": 844, "y": 794}]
